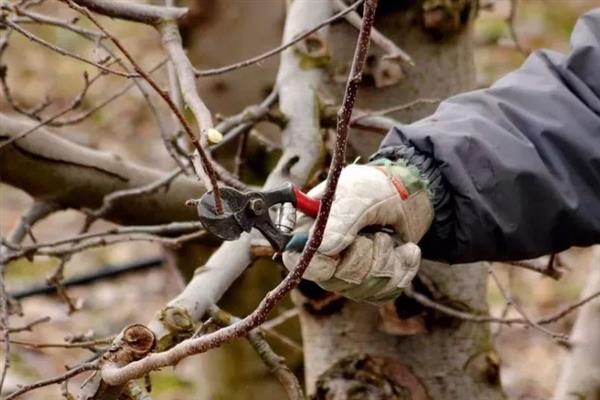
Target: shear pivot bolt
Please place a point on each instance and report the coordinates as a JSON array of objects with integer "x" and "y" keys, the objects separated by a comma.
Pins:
[{"x": 257, "y": 206}]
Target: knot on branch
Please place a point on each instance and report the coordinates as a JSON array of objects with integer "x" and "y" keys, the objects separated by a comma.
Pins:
[
  {"x": 366, "y": 376},
  {"x": 179, "y": 324},
  {"x": 313, "y": 52},
  {"x": 446, "y": 17}
]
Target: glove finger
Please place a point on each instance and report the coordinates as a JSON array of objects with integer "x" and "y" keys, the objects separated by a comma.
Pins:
[
  {"x": 405, "y": 261},
  {"x": 321, "y": 267}
]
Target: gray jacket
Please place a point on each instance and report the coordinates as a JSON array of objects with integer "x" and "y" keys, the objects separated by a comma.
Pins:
[{"x": 514, "y": 169}]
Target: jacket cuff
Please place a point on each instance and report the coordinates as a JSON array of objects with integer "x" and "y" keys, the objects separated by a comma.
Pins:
[{"x": 441, "y": 229}]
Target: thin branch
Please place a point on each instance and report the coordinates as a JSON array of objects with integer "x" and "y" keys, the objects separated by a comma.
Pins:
[
  {"x": 510, "y": 21},
  {"x": 235, "y": 125},
  {"x": 75, "y": 103},
  {"x": 206, "y": 164},
  {"x": 557, "y": 336},
  {"x": 280, "y": 319},
  {"x": 87, "y": 344},
  {"x": 62, "y": 247},
  {"x": 173, "y": 44},
  {"x": 38, "y": 211},
  {"x": 434, "y": 305},
  {"x": 550, "y": 269},
  {"x": 272, "y": 360},
  {"x": 4, "y": 314},
  {"x": 64, "y": 52},
  {"x": 279, "y": 49},
  {"x": 153, "y": 187},
  {"x": 391, "y": 49},
  {"x": 52, "y": 381},
  {"x": 36, "y": 18},
  {"x": 30, "y": 325},
  {"x": 115, "y": 375}
]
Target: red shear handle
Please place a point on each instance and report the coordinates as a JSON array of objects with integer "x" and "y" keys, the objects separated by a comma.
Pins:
[{"x": 307, "y": 205}]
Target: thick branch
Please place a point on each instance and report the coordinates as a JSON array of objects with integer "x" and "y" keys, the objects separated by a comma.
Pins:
[
  {"x": 130, "y": 11},
  {"x": 45, "y": 166}
]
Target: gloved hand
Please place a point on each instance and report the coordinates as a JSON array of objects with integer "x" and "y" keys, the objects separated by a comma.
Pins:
[{"x": 368, "y": 266}]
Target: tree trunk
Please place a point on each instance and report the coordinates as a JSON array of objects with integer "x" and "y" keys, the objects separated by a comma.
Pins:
[
  {"x": 580, "y": 376},
  {"x": 347, "y": 353}
]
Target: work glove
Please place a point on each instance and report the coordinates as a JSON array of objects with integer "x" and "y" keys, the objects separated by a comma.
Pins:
[{"x": 369, "y": 252}]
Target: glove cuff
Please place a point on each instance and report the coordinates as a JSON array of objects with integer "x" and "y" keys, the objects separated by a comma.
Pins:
[{"x": 432, "y": 179}]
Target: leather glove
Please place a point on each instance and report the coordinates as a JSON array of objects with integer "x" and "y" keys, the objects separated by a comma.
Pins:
[{"x": 368, "y": 266}]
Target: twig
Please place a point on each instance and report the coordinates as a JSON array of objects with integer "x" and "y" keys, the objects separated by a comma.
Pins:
[
  {"x": 64, "y": 52},
  {"x": 61, "y": 247},
  {"x": 30, "y": 325},
  {"x": 38, "y": 211},
  {"x": 87, "y": 344},
  {"x": 56, "y": 280},
  {"x": 434, "y": 305},
  {"x": 549, "y": 269},
  {"x": 114, "y": 375},
  {"x": 510, "y": 21},
  {"x": 152, "y": 187},
  {"x": 279, "y": 49},
  {"x": 35, "y": 18},
  {"x": 272, "y": 360},
  {"x": 58, "y": 379},
  {"x": 206, "y": 164},
  {"x": 173, "y": 44},
  {"x": 5, "y": 326},
  {"x": 75, "y": 103},
  {"x": 391, "y": 49},
  {"x": 557, "y": 336},
  {"x": 280, "y": 319}
]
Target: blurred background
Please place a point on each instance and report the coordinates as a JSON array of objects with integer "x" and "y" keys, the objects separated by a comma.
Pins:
[{"x": 529, "y": 361}]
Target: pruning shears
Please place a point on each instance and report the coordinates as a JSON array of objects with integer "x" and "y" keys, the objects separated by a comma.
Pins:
[{"x": 243, "y": 211}]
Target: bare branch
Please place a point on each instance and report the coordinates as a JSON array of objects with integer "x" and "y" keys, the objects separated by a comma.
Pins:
[
  {"x": 277, "y": 50},
  {"x": 63, "y": 247},
  {"x": 187, "y": 85},
  {"x": 272, "y": 360},
  {"x": 75, "y": 103},
  {"x": 64, "y": 52},
  {"x": 205, "y": 161},
  {"x": 30, "y": 325},
  {"x": 116, "y": 376},
  {"x": 52, "y": 381},
  {"x": 130, "y": 11},
  {"x": 391, "y": 49},
  {"x": 557, "y": 336},
  {"x": 39, "y": 210},
  {"x": 550, "y": 269},
  {"x": 510, "y": 21},
  {"x": 44, "y": 164}
]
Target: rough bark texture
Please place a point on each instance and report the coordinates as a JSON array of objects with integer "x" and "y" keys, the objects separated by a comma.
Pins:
[
  {"x": 580, "y": 376},
  {"x": 53, "y": 169},
  {"x": 347, "y": 356}
]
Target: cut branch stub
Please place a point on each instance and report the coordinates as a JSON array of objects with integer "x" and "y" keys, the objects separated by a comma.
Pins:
[
  {"x": 137, "y": 341},
  {"x": 179, "y": 324}
]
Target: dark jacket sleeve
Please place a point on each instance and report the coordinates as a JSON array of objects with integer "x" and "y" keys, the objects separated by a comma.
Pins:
[{"x": 515, "y": 168}]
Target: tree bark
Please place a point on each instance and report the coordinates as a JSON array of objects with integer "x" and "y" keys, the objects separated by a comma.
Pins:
[
  {"x": 53, "y": 169},
  {"x": 580, "y": 376},
  {"x": 347, "y": 353}
]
